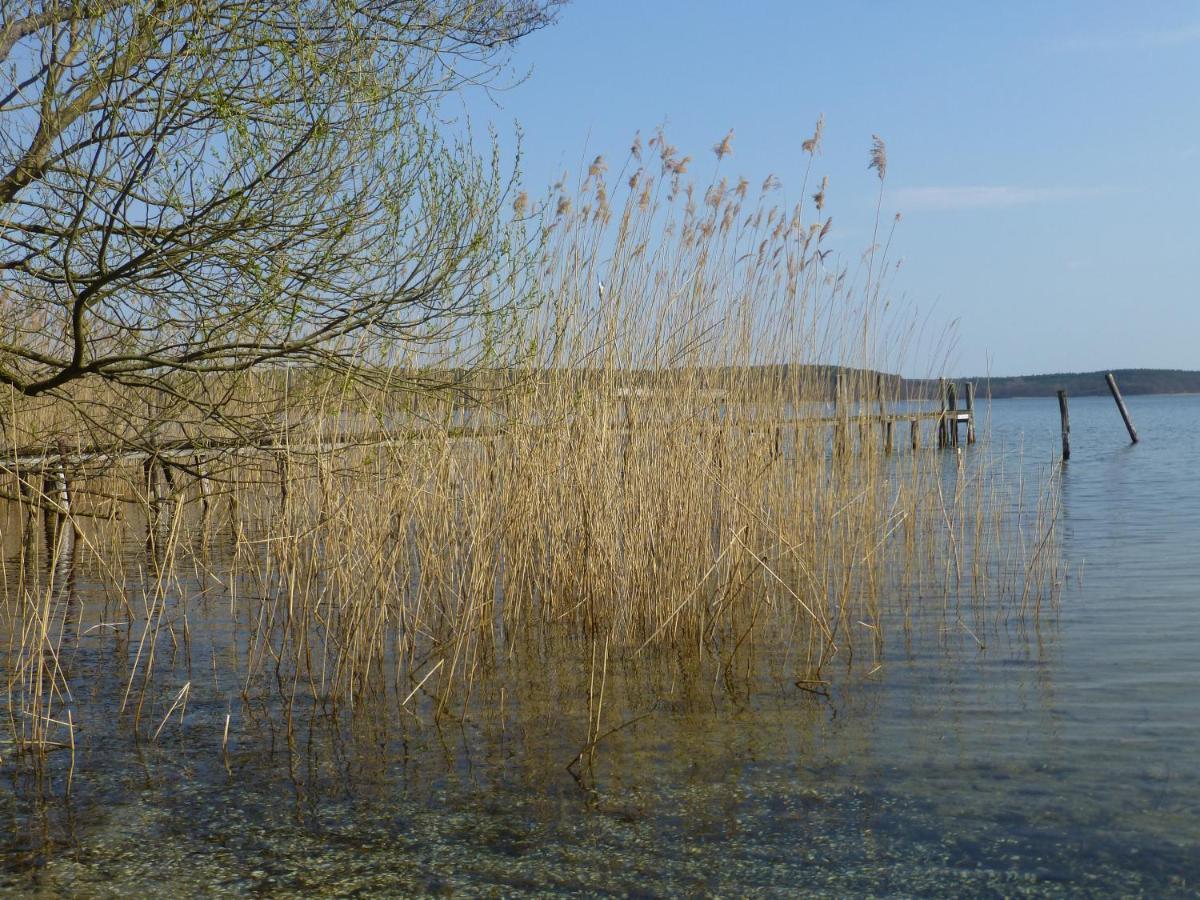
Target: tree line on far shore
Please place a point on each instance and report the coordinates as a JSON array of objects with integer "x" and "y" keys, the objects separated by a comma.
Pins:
[{"x": 1091, "y": 384}]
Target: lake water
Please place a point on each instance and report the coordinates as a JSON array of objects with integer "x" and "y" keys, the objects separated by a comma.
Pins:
[{"x": 1058, "y": 760}]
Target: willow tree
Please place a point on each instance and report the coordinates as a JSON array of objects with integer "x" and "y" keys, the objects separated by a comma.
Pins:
[{"x": 193, "y": 189}]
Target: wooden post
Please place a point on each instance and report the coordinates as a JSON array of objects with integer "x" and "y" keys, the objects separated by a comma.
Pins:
[
  {"x": 205, "y": 498},
  {"x": 941, "y": 435},
  {"x": 970, "y": 386},
  {"x": 168, "y": 475},
  {"x": 1112, "y": 386},
  {"x": 62, "y": 485},
  {"x": 27, "y": 497},
  {"x": 915, "y": 433},
  {"x": 205, "y": 488},
  {"x": 153, "y": 495},
  {"x": 886, "y": 424},
  {"x": 150, "y": 480},
  {"x": 841, "y": 414},
  {"x": 284, "y": 474},
  {"x": 1066, "y": 425},
  {"x": 57, "y": 490},
  {"x": 952, "y": 406}
]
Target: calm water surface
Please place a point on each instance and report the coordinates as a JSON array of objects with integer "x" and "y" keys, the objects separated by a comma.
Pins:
[{"x": 1060, "y": 760}]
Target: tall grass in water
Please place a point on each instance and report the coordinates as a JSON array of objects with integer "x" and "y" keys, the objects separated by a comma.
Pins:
[{"x": 652, "y": 473}]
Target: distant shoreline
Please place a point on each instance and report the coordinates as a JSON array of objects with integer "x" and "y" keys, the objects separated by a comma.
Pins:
[
  {"x": 984, "y": 396},
  {"x": 1086, "y": 384}
]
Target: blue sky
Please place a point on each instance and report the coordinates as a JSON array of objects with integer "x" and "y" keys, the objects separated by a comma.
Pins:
[{"x": 1045, "y": 156}]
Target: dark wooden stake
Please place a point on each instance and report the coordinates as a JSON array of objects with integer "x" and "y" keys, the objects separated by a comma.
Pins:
[
  {"x": 57, "y": 492},
  {"x": 61, "y": 527},
  {"x": 28, "y": 497},
  {"x": 156, "y": 500},
  {"x": 205, "y": 491},
  {"x": 61, "y": 483},
  {"x": 841, "y": 413},
  {"x": 915, "y": 433},
  {"x": 1112, "y": 386},
  {"x": 283, "y": 473},
  {"x": 970, "y": 412},
  {"x": 942, "y": 432},
  {"x": 887, "y": 436},
  {"x": 1066, "y": 424},
  {"x": 952, "y": 405}
]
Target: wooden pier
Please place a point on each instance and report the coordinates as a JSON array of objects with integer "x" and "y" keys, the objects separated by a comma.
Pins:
[
  {"x": 946, "y": 419},
  {"x": 44, "y": 475}
]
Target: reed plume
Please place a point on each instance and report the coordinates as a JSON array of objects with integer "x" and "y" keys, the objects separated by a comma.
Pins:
[{"x": 878, "y": 157}]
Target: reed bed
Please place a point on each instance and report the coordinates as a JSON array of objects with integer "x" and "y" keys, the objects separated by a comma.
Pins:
[{"x": 646, "y": 470}]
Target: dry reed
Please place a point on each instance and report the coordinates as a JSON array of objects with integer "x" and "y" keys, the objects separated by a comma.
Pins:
[{"x": 649, "y": 466}]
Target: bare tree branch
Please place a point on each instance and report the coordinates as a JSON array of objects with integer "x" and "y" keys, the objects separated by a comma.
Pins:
[{"x": 192, "y": 189}]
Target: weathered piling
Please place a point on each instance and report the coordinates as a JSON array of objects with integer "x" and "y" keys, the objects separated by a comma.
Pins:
[
  {"x": 283, "y": 474},
  {"x": 942, "y": 424},
  {"x": 205, "y": 489},
  {"x": 914, "y": 433},
  {"x": 168, "y": 477},
  {"x": 1112, "y": 386},
  {"x": 970, "y": 386},
  {"x": 952, "y": 406},
  {"x": 56, "y": 491},
  {"x": 884, "y": 418},
  {"x": 58, "y": 487},
  {"x": 153, "y": 493},
  {"x": 1066, "y": 425},
  {"x": 150, "y": 480},
  {"x": 27, "y": 495}
]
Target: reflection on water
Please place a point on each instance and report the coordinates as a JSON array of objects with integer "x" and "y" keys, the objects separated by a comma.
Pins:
[{"x": 1056, "y": 760}]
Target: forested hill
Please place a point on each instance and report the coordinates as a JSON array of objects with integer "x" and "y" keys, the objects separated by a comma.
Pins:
[{"x": 1084, "y": 384}]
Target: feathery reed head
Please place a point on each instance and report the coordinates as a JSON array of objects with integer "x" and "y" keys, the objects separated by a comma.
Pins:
[
  {"x": 813, "y": 144},
  {"x": 878, "y": 156},
  {"x": 725, "y": 147},
  {"x": 819, "y": 196}
]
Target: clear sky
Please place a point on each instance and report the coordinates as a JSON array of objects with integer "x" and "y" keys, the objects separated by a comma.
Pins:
[{"x": 1045, "y": 156}]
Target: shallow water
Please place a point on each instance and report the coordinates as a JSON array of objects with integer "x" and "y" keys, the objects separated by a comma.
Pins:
[{"x": 1056, "y": 760}]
